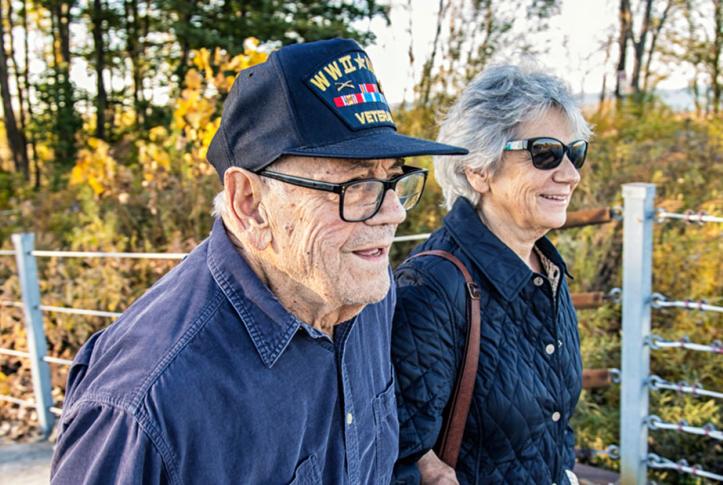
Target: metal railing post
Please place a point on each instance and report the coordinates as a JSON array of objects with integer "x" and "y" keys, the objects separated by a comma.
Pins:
[
  {"x": 639, "y": 216},
  {"x": 30, "y": 289}
]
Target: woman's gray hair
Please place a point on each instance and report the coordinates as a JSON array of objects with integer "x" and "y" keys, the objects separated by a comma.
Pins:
[{"x": 488, "y": 114}]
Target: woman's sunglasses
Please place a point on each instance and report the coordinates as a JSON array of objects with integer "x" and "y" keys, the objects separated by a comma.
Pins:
[{"x": 547, "y": 152}]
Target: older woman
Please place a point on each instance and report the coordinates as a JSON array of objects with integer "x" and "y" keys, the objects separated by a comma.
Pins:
[{"x": 527, "y": 141}]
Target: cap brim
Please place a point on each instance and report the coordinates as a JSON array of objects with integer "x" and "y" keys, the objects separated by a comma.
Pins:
[{"x": 380, "y": 144}]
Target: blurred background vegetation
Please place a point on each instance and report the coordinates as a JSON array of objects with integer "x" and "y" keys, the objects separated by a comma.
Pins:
[{"x": 121, "y": 167}]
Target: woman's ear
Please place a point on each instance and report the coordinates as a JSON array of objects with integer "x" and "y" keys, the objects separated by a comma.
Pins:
[
  {"x": 248, "y": 217},
  {"x": 480, "y": 181}
]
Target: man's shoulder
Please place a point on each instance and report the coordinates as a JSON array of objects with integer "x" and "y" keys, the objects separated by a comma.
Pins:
[{"x": 119, "y": 364}]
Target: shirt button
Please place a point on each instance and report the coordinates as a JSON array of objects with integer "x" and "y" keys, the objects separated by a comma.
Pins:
[
  {"x": 556, "y": 416},
  {"x": 537, "y": 281},
  {"x": 349, "y": 419},
  {"x": 550, "y": 349}
]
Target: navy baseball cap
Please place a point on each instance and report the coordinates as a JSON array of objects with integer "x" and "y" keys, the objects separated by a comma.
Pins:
[{"x": 318, "y": 99}]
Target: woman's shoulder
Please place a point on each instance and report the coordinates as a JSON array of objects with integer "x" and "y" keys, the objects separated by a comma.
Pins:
[{"x": 432, "y": 274}]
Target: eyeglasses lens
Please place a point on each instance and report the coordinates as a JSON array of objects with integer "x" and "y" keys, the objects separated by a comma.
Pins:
[
  {"x": 409, "y": 189},
  {"x": 362, "y": 199}
]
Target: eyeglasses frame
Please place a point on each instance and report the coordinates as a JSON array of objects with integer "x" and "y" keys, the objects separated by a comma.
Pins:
[
  {"x": 525, "y": 144},
  {"x": 341, "y": 188}
]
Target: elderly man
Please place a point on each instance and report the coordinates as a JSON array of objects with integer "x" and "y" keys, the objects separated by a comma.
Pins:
[{"x": 264, "y": 356}]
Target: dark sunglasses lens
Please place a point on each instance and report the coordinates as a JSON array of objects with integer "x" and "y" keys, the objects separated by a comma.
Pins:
[
  {"x": 577, "y": 152},
  {"x": 546, "y": 153}
]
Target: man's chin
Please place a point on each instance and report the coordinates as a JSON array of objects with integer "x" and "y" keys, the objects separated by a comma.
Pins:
[{"x": 367, "y": 293}]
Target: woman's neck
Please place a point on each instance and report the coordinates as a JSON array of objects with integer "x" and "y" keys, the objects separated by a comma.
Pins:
[{"x": 520, "y": 241}]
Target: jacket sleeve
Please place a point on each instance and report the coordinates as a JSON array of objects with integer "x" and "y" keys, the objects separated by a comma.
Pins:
[
  {"x": 425, "y": 356},
  {"x": 101, "y": 444}
]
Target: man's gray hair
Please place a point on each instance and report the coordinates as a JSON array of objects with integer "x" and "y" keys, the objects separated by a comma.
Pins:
[{"x": 488, "y": 114}]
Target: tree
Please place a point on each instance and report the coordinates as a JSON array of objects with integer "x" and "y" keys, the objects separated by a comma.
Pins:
[
  {"x": 16, "y": 139},
  {"x": 478, "y": 30},
  {"x": 696, "y": 40},
  {"x": 197, "y": 24},
  {"x": 101, "y": 96},
  {"x": 652, "y": 21}
]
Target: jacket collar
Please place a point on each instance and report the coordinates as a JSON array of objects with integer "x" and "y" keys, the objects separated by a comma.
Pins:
[
  {"x": 500, "y": 265},
  {"x": 270, "y": 326}
]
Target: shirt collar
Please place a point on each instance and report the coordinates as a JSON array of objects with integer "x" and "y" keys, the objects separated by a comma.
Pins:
[
  {"x": 500, "y": 265},
  {"x": 270, "y": 326}
]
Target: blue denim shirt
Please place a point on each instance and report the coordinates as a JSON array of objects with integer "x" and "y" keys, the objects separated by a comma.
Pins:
[{"x": 208, "y": 379}]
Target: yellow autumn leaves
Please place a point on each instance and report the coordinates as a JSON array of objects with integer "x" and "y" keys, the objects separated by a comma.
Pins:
[{"x": 179, "y": 150}]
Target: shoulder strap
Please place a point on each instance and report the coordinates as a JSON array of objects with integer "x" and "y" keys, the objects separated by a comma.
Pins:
[{"x": 450, "y": 440}]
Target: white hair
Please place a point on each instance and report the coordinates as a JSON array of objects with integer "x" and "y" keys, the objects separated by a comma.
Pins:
[
  {"x": 488, "y": 114},
  {"x": 220, "y": 208}
]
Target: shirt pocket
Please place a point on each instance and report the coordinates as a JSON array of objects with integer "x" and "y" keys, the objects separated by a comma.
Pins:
[
  {"x": 307, "y": 473},
  {"x": 386, "y": 440}
]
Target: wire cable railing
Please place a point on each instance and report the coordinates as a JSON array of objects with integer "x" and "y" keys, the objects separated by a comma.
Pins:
[
  {"x": 612, "y": 452},
  {"x": 657, "y": 383},
  {"x": 99, "y": 254},
  {"x": 660, "y": 463},
  {"x": 26, "y": 355},
  {"x": 660, "y": 301},
  {"x": 582, "y": 300},
  {"x": 656, "y": 342},
  {"x": 682, "y": 426},
  {"x": 699, "y": 217}
]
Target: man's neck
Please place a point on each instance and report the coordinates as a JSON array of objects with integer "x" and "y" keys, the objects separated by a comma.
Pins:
[{"x": 298, "y": 300}]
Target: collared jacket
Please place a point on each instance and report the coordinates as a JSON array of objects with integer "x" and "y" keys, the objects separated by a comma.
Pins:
[
  {"x": 207, "y": 379},
  {"x": 530, "y": 372}
]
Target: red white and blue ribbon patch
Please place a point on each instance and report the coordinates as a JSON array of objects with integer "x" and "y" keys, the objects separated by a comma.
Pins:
[{"x": 348, "y": 86}]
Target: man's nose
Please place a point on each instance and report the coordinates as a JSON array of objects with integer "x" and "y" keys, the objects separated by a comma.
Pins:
[{"x": 390, "y": 212}]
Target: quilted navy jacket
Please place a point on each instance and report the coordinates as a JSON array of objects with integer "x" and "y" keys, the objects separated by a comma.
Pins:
[{"x": 530, "y": 372}]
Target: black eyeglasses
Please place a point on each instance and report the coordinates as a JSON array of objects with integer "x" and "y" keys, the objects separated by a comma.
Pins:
[
  {"x": 361, "y": 199},
  {"x": 547, "y": 152}
]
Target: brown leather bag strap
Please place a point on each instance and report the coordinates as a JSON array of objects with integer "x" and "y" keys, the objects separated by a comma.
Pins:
[{"x": 450, "y": 440}]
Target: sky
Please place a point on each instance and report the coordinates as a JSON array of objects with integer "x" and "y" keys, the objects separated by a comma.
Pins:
[{"x": 573, "y": 45}]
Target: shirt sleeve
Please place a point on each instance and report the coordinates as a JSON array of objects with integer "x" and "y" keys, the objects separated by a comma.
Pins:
[
  {"x": 101, "y": 444},
  {"x": 425, "y": 358}
]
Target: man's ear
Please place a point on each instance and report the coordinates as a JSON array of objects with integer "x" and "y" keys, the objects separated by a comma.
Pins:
[
  {"x": 244, "y": 193},
  {"x": 480, "y": 181}
]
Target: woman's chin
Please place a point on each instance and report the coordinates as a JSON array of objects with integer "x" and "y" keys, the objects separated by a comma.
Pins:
[{"x": 552, "y": 221}]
